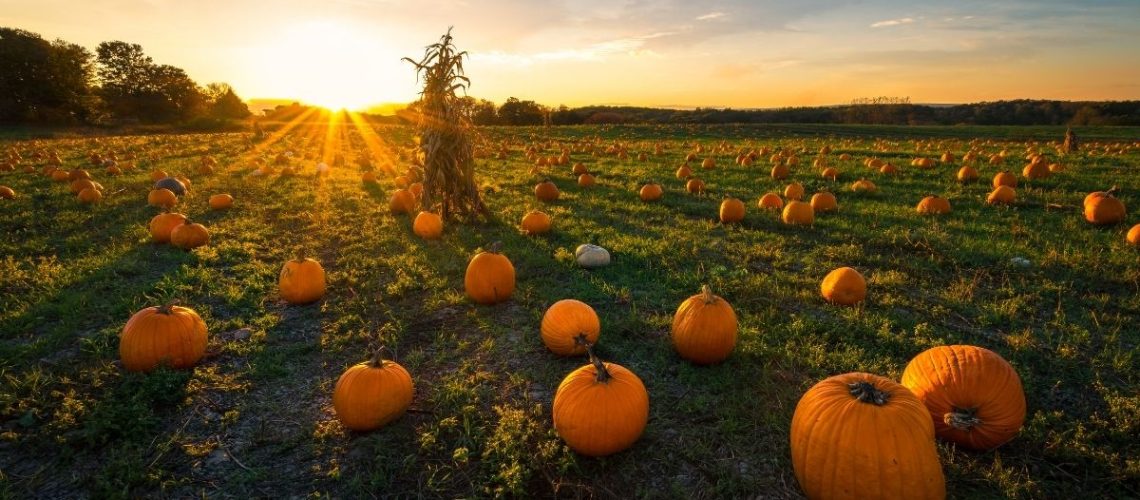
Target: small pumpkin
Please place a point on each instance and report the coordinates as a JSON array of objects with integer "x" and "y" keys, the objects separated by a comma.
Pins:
[
  {"x": 536, "y": 222},
  {"x": 580, "y": 169},
  {"x": 546, "y": 191},
  {"x": 591, "y": 256},
  {"x": 798, "y": 213},
  {"x": 1036, "y": 170},
  {"x": 974, "y": 397},
  {"x": 163, "y": 224},
  {"x": 1133, "y": 236},
  {"x": 370, "y": 395},
  {"x": 189, "y": 235},
  {"x": 158, "y": 175},
  {"x": 570, "y": 326},
  {"x": 731, "y": 210},
  {"x": 301, "y": 281},
  {"x": 221, "y": 201},
  {"x": 651, "y": 192},
  {"x": 162, "y": 198},
  {"x": 428, "y": 225},
  {"x": 684, "y": 172},
  {"x": 933, "y": 205},
  {"x": 1004, "y": 178},
  {"x": 79, "y": 185},
  {"x": 708, "y": 163},
  {"x": 402, "y": 202},
  {"x": 77, "y": 174},
  {"x": 794, "y": 191},
  {"x": 830, "y": 173},
  {"x": 1001, "y": 195},
  {"x": 7, "y": 193},
  {"x": 823, "y": 202},
  {"x": 704, "y": 328},
  {"x": 844, "y": 286},
  {"x": 967, "y": 174},
  {"x": 864, "y": 186},
  {"x": 586, "y": 180},
  {"x": 60, "y": 176},
  {"x": 859, "y": 435},
  {"x": 490, "y": 277},
  {"x": 888, "y": 169},
  {"x": 780, "y": 171},
  {"x": 90, "y": 195},
  {"x": 600, "y": 409},
  {"x": 695, "y": 186},
  {"x": 770, "y": 201},
  {"x": 171, "y": 335}
]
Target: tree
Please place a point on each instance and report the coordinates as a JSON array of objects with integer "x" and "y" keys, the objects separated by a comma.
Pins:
[
  {"x": 445, "y": 133},
  {"x": 42, "y": 81},
  {"x": 517, "y": 112},
  {"x": 224, "y": 102},
  {"x": 123, "y": 71}
]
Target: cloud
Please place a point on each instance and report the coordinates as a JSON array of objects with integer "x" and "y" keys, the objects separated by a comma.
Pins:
[
  {"x": 892, "y": 22},
  {"x": 633, "y": 46},
  {"x": 711, "y": 16}
]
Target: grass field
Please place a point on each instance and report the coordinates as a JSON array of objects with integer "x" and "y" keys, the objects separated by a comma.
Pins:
[{"x": 255, "y": 417}]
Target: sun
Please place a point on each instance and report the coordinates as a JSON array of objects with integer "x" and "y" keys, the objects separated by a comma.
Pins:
[{"x": 331, "y": 64}]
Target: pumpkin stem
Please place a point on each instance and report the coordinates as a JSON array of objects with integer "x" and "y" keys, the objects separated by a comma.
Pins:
[
  {"x": 495, "y": 247},
  {"x": 300, "y": 254},
  {"x": 377, "y": 360},
  {"x": 168, "y": 308},
  {"x": 599, "y": 367},
  {"x": 962, "y": 419},
  {"x": 866, "y": 392},
  {"x": 707, "y": 294}
]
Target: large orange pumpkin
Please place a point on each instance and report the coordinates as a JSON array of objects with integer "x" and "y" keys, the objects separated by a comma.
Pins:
[
  {"x": 731, "y": 210},
  {"x": 370, "y": 395},
  {"x": 490, "y": 277},
  {"x": 189, "y": 235},
  {"x": 536, "y": 222},
  {"x": 844, "y": 286},
  {"x": 428, "y": 225},
  {"x": 402, "y": 202},
  {"x": 798, "y": 212},
  {"x": 651, "y": 192},
  {"x": 1004, "y": 178},
  {"x": 704, "y": 328},
  {"x": 1102, "y": 208},
  {"x": 823, "y": 202},
  {"x": 163, "y": 198},
  {"x": 301, "y": 281},
  {"x": 933, "y": 205},
  {"x": 171, "y": 335},
  {"x": 546, "y": 191},
  {"x": 967, "y": 174},
  {"x": 780, "y": 171},
  {"x": 862, "y": 436},
  {"x": 974, "y": 396},
  {"x": 163, "y": 224},
  {"x": 600, "y": 409},
  {"x": 1001, "y": 195},
  {"x": 570, "y": 326}
]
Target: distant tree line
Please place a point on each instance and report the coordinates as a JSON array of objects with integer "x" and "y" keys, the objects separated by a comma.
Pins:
[
  {"x": 880, "y": 111},
  {"x": 61, "y": 83}
]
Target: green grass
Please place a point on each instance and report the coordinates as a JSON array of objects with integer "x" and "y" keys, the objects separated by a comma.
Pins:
[{"x": 255, "y": 417}]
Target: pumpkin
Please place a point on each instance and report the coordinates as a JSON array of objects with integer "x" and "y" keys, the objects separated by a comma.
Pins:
[
  {"x": 79, "y": 185},
  {"x": 591, "y": 256},
  {"x": 695, "y": 186},
  {"x": 585, "y": 180},
  {"x": 798, "y": 212},
  {"x": 1102, "y": 208},
  {"x": 967, "y": 174},
  {"x": 794, "y": 191},
  {"x": 704, "y": 328},
  {"x": 301, "y": 281},
  {"x": 174, "y": 185},
  {"x": 844, "y": 286},
  {"x": 708, "y": 163},
  {"x": 77, "y": 174},
  {"x": 1004, "y": 178},
  {"x": 368, "y": 177},
  {"x": 888, "y": 169},
  {"x": 580, "y": 169},
  {"x": 162, "y": 198},
  {"x": 731, "y": 210},
  {"x": 1000, "y": 195},
  {"x": 536, "y": 222},
  {"x": 428, "y": 225},
  {"x": 221, "y": 201},
  {"x": 933, "y": 205},
  {"x": 163, "y": 224},
  {"x": 824, "y": 202},
  {"x": 158, "y": 175},
  {"x": 417, "y": 189},
  {"x": 684, "y": 172},
  {"x": 651, "y": 192},
  {"x": 90, "y": 195},
  {"x": 60, "y": 176},
  {"x": 171, "y": 335},
  {"x": 770, "y": 201},
  {"x": 189, "y": 235},
  {"x": 1036, "y": 170},
  {"x": 546, "y": 191},
  {"x": 859, "y": 435},
  {"x": 490, "y": 277},
  {"x": 780, "y": 171},
  {"x": 600, "y": 409},
  {"x": 830, "y": 173},
  {"x": 1133, "y": 236},
  {"x": 864, "y": 186},
  {"x": 370, "y": 395},
  {"x": 7, "y": 193},
  {"x": 401, "y": 181},
  {"x": 569, "y": 326},
  {"x": 402, "y": 202},
  {"x": 974, "y": 397}
]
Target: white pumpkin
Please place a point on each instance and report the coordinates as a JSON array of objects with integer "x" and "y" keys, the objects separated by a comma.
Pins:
[{"x": 591, "y": 256}]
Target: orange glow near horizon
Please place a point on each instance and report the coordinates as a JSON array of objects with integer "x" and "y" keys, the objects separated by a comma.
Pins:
[{"x": 666, "y": 53}]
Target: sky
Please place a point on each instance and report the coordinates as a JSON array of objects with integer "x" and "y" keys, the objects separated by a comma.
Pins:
[{"x": 665, "y": 53}]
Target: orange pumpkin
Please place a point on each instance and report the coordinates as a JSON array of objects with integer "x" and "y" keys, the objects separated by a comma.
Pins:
[
  {"x": 428, "y": 225},
  {"x": 171, "y": 335},
  {"x": 731, "y": 210},
  {"x": 708, "y": 163},
  {"x": 585, "y": 180},
  {"x": 933, "y": 205},
  {"x": 823, "y": 202},
  {"x": 684, "y": 172},
  {"x": 695, "y": 186},
  {"x": 580, "y": 169},
  {"x": 1133, "y": 236},
  {"x": 600, "y": 409},
  {"x": 570, "y": 326},
  {"x": 794, "y": 191},
  {"x": 780, "y": 171},
  {"x": 162, "y": 198},
  {"x": 770, "y": 201},
  {"x": 158, "y": 175},
  {"x": 974, "y": 397},
  {"x": 370, "y": 395},
  {"x": 1004, "y": 178},
  {"x": 301, "y": 281},
  {"x": 704, "y": 328},
  {"x": 7, "y": 193},
  {"x": 1102, "y": 208},
  {"x": 536, "y": 222},
  {"x": 490, "y": 277},
  {"x": 90, "y": 195},
  {"x": 1036, "y": 170},
  {"x": 859, "y": 435},
  {"x": 163, "y": 224},
  {"x": 844, "y": 286},
  {"x": 967, "y": 174},
  {"x": 1001, "y": 195},
  {"x": 830, "y": 173},
  {"x": 546, "y": 191},
  {"x": 864, "y": 186},
  {"x": 402, "y": 202},
  {"x": 189, "y": 235},
  {"x": 651, "y": 192},
  {"x": 798, "y": 213},
  {"x": 221, "y": 201},
  {"x": 888, "y": 169}
]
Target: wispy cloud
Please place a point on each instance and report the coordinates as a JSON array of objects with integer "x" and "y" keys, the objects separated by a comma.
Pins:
[
  {"x": 711, "y": 16},
  {"x": 892, "y": 22},
  {"x": 631, "y": 46}
]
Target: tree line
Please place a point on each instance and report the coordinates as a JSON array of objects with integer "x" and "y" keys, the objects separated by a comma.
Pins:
[{"x": 61, "y": 83}]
